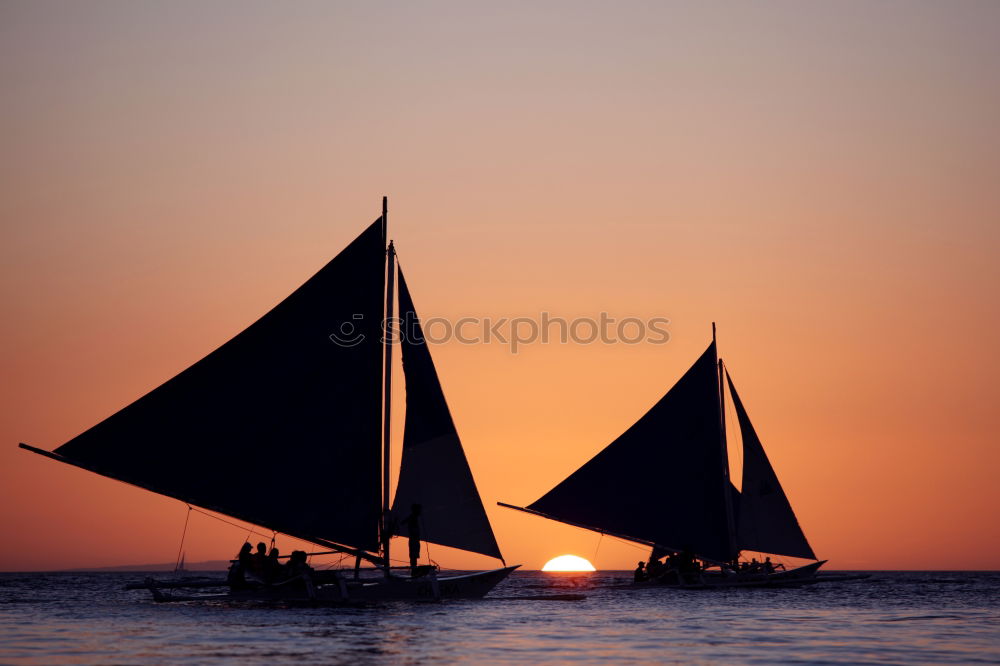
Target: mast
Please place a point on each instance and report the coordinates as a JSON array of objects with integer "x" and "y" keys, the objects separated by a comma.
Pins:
[
  {"x": 387, "y": 385},
  {"x": 726, "y": 482}
]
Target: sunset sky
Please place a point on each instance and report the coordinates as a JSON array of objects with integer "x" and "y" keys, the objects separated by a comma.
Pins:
[{"x": 821, "y": 179}]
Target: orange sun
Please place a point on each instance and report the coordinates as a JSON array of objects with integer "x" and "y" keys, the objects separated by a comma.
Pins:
[{"x": 568, "y": 563}]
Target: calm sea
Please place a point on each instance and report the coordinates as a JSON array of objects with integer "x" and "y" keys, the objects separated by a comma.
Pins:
[{"x": 931, "y": 617}]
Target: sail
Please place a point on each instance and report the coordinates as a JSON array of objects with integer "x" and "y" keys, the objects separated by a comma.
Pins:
[
  {"x": 663, "y": 480},
  {"x": 280, "y": 426},
  {"x": 434, "y": 472},
  {"x": 734, "y": 503},
  {"x": 765, "y": 520}
]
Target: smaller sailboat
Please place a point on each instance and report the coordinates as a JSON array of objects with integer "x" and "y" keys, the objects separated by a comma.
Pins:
[
  {"x": 290, "y": 424},
  {"x": 664, "y": 483}
]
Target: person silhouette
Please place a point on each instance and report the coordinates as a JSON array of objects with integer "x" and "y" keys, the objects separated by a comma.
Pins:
[
  {"x": 640, "y": 573},
  {"x": 237, "y": 571},
  {"x": 413, "y": 528},
  {"x": 654, "y": 568},
  {"x": 258, "y": 562},
  {"x": 273, "y": 566},
  {"x": 298, "y": 568},
  {"x": 297, "y": 564},
  {"x": 245, "y": 554}
]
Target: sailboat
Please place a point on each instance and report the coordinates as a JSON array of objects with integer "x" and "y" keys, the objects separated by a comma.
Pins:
[
  {"x": 287, "y": 426},
  {"x": 665, "y": 484}
]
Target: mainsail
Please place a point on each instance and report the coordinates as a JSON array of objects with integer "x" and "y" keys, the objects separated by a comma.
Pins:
[
  {"x": 452, "y": 513},
  {"x": 664, "y": 480},
  {"x": 765, "y": 520},
  {"x": 280, "y": 426}
]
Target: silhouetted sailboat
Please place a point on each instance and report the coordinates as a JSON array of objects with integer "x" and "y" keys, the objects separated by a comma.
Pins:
[
  {"x": 289, "y": 423},
  {"x": 665, "y": 483}
]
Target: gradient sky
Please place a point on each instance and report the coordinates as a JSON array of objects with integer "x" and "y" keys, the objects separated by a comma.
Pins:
[{"x": 819, "y": 178}]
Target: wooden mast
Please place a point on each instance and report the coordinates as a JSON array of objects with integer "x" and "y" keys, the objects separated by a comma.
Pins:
[{"x": 387, "y": 384}]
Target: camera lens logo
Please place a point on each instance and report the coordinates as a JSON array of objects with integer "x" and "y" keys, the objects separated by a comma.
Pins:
[{"x": 348, "y": 335}]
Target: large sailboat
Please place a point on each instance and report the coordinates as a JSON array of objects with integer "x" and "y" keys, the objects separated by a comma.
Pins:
[
  {"x": 664, "y": 483},
  {"x": 287, "y": 426}
]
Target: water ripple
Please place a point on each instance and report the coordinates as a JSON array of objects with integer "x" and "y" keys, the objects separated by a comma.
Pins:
[{"x": 891, "y": 618}]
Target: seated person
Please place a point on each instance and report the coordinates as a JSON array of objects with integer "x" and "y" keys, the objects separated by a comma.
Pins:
[
  {"x": 297, "y": 565},
  {"x": 272, "y": 567},
  {"x": 237, "y": 571},
  {"x": 258, "y": 561}
]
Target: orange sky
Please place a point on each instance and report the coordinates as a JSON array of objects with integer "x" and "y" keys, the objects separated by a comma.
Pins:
[{"x": 820, "y": 180}]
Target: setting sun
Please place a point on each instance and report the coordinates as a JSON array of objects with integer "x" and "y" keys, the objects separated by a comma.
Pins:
[{"x": 568, "y": 563}]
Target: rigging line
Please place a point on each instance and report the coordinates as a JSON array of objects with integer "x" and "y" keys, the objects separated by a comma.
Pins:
[
  {"x": 635, "y": 545},
  {"x": 223, "y": 520},
  {"x": 180, "y": 549},
  {"x": 598, "y": 546}
]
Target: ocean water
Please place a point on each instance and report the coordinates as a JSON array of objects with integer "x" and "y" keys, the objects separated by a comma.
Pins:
[{"x": 893, "y": 617}]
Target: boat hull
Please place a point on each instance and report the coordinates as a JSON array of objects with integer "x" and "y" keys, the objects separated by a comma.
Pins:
[
  {"x": 343, "y": 589},
  {"x": 805, "y": 575}
]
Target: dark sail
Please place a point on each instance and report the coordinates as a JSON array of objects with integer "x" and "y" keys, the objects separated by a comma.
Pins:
[
  {"x": 734, "y": 502},
  {"x": 280, "y": 425},
  {"x": 434, "y": 472},
  {"x": 662, "y": 481},
  {"x": 765, "y": 520}
]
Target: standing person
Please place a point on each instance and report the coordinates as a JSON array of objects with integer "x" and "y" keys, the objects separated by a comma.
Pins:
[{"x": 413, "y": 528}]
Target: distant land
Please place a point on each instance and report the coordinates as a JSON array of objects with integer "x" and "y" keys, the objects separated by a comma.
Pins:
[{"x": 208, "y": 565}]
